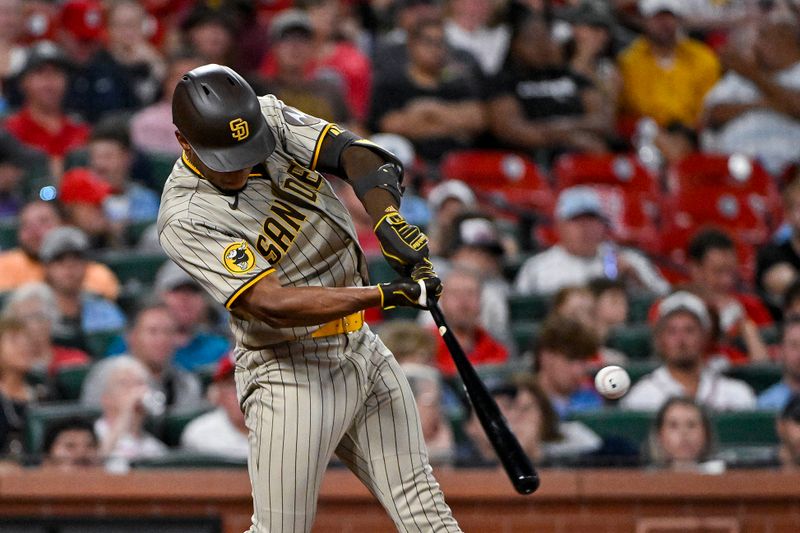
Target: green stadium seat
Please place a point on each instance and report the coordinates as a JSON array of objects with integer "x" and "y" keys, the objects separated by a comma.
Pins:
[
  {"x": 175, "y": 423},
  {"x": 525, "y": 335},
  {"x": 99, "y": 343},
  {"x": 160, "y": 168},
  {"x": 638, "y": 369},
  {"x": 746, "y": 427},
  {"x": 380, "y": 271},
  {"x": 528, "y": 308},
  {"x": 639, "y": 304},
  {"x": 42, "y": 416},
  {"x": 184, "y": 459},
  {"x": 130, "y": 267},
  {"x": 635, "y": 341},
  {"x": 760, "y": 376},
  {"x": 8, "y": 235},
  {"x": 632, "y": 425},
  {"x": 76, "y": 158},
  {"x": 135, "y": 230},
  {"x": 69, "y": 381}
]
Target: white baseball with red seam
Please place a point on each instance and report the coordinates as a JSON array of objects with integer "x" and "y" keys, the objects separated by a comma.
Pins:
[{"x": 612, "y": 382}]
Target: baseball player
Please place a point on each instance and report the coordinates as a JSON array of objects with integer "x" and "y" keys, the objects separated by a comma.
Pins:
[{"x": 247, "y": 213}]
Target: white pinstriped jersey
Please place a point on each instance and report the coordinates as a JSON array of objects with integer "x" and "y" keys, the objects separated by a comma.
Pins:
[{"x": 287, "y": 220}]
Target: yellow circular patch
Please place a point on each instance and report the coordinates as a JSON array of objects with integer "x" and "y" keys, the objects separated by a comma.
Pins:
[{"x": 238, "y": 258}]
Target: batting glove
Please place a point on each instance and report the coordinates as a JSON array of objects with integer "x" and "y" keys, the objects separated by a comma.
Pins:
[
  {"x": 405, "y": 292},
  {"x": 403, "y": 245},
  {"x": 424, "y": 270}
]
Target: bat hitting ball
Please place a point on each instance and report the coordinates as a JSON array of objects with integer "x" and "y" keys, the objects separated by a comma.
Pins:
[{"x": 612, "y": 382}]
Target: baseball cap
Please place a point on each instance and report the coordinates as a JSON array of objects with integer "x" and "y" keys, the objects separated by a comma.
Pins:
[
  {"x": 44, "y": 53},
  {"x": 649, "y": 8},
  {"x": 82, "y": 186},
  {"x": 398, "y": 145},
  {"x": 451, "y": 189},
  {"x": 687, "y": 302},
  {"x": 290, "y": 21},
  {"x": 591, "y": 13},
  {"x": 225, "y": 368},
  {"x": 479, "y": 232},
  {"x": 578, "y": 201},
  {"x": 83, "y": 19},
  {"x": 61, "y": 241},
  {"x": 170, "y": 277}
]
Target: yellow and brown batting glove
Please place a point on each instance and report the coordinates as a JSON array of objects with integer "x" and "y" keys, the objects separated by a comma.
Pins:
[
  {"x": 403, "y": 245},
  {"x": 405, "y": 292}
]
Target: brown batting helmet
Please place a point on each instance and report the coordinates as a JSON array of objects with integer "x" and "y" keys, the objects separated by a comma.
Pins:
[{"x": 219, "y": 114}]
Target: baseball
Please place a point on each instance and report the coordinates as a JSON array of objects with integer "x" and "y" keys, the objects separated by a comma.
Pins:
[{"x": 612, "y": 382}]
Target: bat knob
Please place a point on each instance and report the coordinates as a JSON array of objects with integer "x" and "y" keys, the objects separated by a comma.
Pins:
[{"x": 526, "y": 484}]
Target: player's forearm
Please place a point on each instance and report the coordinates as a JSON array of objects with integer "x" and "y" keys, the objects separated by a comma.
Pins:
[{"x": 308, "y": 306}]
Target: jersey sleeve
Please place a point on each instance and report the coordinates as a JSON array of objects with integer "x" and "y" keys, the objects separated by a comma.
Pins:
[
  {"x": 299, "y": 134},
  {"x": 223, "y": 264}
]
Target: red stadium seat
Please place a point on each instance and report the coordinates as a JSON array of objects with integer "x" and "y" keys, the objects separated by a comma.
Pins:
[
  {"x": 513, "y": 177},
  {"x": 736, "y": 174},
  {"x": 617, "y": 170}
]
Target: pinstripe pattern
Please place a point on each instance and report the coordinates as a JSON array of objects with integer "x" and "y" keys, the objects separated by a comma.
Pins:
[{"x": 304, "y": 399}]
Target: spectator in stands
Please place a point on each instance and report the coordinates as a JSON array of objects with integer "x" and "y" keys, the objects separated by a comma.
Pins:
[
  {"x": 17, "y": 162},
  {"x": 788, "y": 428},
  {"x": 409, "y": 342},
  {"x": 293, "y": 48},
  {"x": 462, "y": 306},
  {"x": 713, "y": 270},
  {"x": 470, "y": 27},
  {"x": 12, "y": 52},
  {"x": 16, "y": 360},
  {"x": 152, "y": 339},
  {"x": 111, "y": 158},
  {"x": 124, "y": 399},
  {"x": 70, "y": 445},
  {"x": 211, "y": 33},
  {"x": 426, "y": 384},
  {"x": 437, "y": 112},
  {"x": 681, "y": 337},
  {"x": 78, "y": 27},
  {"x": 574, "y": 302},
  {"x": 583, "y": 251},
  {"x": 682, "y": 437},
  {"x": 665, "y": 75},
  {"x": 445, "y": 202},
  {"x": 222, "y": 431},
  {"x": 63, "y": 255},
  {"x": 610, "y": 313},
  {"x": 35, "y": 304},
  {"x": 755, "y": 108},
  {"x": 198, "y": 345},
  {"x": 777, "y": 396},
  {"x": 563, "y": 352},
  {"x": 85, "y": 197},
  {"x": 22, "y": 265},
  {"x": 152, "y": 131},
  {"x": 537, "y": 103},
  {"x": 778, "y": 263},
  {"x": 41, "y": 122}
]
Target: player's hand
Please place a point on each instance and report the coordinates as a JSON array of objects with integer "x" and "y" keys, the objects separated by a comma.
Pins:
[
  {"x": 424, "y": 270},
  {"x": 405, "y": 292},
  {"x": 403, "y": 245}
]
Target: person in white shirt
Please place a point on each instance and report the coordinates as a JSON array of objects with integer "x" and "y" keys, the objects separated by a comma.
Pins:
[
  {"x": 222, "y": 431},
  {"x": 682, "y": 331},
  {"x": 468, "y": 28},
  {"x": 584, "y": 251},
  {"x": 125, "y": 403}
]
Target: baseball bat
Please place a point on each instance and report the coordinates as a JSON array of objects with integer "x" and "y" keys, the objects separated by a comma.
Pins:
[{"x": 514, "y": 459}]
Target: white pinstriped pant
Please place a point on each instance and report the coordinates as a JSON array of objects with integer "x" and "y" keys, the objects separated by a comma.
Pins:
[{"x": 346, "y": 394}]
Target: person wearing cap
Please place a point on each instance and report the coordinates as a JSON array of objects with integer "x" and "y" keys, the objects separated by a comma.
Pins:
[
  {"x": 22, "y": 265},
  {"x": 788, "y": 429},
  {"x": 293, "y": 48},
  {"x": 42, "y": 122},
  {"x": 777, "y": 395},
  {"x": 211, "y": 33},
  {"x": 666, "y": 75},
  {"x": 680, "y": 338},
  {"x": 221, "y": 431},
  {"x": 80, "y": 27},
  {"x": 446, "y": 201},
  {"x": 585, "y": 251},
  {"x": 438, "y": 110},
  {"x": 64, "y": 256},
  {"x": 152, "y": 338},
  {"x": 86, "y": 200}
]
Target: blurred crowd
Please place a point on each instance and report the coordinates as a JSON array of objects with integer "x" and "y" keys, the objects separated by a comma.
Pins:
[{"x": 602, "y": 181}]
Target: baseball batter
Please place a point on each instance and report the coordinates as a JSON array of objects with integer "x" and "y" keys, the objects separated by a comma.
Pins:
[{"x": 246, "y": 212}]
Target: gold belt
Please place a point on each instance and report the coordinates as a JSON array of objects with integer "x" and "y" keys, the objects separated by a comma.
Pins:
[{"x": 346, "y": 324}]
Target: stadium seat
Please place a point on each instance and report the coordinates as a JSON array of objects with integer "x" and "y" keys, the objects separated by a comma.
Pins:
[
  {"x": 508, "y": 177},
  {"x": 638, "y": 306},
  {"x": 42, "y": 416},
  {"x": 638, "y": 369},
  {"x": 758, "y": 375},
  {"x": 8, "y": 234},
  {"x": 635, "y": 341},
  {"x": 160, "y": 168},
  {"x": 99, "y": 343},
  {"x": 185, "y": 459},
  {"x": 528, "y": 307},
  {"x": 745, "y": 427},
  {"x": 135, "y": 230},
  {"x": 174, "y": 424},
  {"x": 133, "y": 267},
  {"x": 525, "y": 335},
  {"x": 68, "y": 381},
  {"x": 624, "y": 171},
  {"x": 631, "y": 425}
]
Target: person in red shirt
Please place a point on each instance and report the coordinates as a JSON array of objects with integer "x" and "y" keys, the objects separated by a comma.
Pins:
[
  {"x": 461, "y": 305},
  {"x": 42, "y": 123}
]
